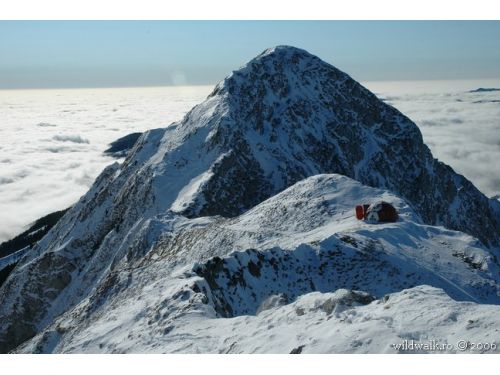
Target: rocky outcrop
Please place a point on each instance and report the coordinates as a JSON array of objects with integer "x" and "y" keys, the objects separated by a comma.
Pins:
[{"x": 121, "y": 147}]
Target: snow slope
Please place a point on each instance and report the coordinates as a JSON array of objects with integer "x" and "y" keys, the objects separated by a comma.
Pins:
[
  {"x": 42, "y": 170},
  {"x": 208, "y": 284},
  {"x": 423, "y": 318}
]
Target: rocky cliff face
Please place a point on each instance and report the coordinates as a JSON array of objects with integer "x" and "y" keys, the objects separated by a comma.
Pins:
[{"x": 283, "y": 117}]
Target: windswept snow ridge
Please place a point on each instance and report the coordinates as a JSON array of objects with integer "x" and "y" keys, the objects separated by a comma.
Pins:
[
  {"x": 216, "y": 273},
  {"x": 417, "y": 320}
]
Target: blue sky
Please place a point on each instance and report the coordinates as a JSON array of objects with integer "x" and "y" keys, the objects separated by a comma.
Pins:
[{"x": 143, "y": 53}]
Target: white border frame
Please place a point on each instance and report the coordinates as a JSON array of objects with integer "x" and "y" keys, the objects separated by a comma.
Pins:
[{"x": 251, "y": 9}]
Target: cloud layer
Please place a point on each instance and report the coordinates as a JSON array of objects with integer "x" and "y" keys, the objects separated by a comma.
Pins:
[
  {"x": 52, "y": 140},
  {"x": 460, "y": 125}
]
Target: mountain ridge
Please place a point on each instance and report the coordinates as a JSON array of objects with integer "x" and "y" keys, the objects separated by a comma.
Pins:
[
  {"x": 282, "y": 118},
  {"x": 300, "y": 244}
]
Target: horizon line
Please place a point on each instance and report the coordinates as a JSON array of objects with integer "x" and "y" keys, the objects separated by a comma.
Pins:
[{"x": 215, "y": 83}]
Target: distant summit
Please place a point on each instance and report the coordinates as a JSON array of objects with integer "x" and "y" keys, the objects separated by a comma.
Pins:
[
  {"x": 482, "y": 89},
  {"x": 121, "y": 147}
]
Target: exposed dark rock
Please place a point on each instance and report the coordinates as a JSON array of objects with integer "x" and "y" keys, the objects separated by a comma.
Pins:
[
  {"x": 5, "y": 272},
  {"x": 297, "y": 350},
  {"x": 483, "y": 89},
  {"x": 32, "y": 235},
  {"x": 470, "y": 260},
  {"x": 27, "y": 239},
  {"x": 122, "y": 146},
  {"x": 54, "y": 275}
]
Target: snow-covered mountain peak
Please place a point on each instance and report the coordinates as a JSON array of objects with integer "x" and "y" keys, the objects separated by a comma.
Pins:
[
  {"x": 285, "y": 76},
  {"x": 287, "y": 115},
  {"x": 278, "y": 60},
  {"x": 188, "y": 195}
]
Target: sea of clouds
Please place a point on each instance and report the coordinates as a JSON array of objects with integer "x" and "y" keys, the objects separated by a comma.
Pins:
[
  {"x": 460, "y": 124},
  {"x": 51, "y": 141}
]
